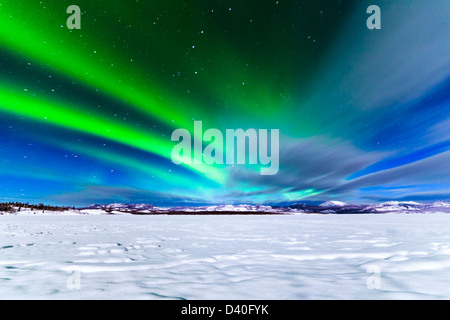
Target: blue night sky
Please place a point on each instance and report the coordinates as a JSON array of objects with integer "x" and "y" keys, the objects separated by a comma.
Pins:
[{"x": 86, "y": 116}]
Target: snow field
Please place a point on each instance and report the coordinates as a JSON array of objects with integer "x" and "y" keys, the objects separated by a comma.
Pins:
[{"x": 387, "y": 256}]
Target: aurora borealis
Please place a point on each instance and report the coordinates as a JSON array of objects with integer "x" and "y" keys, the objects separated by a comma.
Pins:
[{"x": 87, "y": 115}]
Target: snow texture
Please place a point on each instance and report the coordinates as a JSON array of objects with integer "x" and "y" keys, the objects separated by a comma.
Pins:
[{"x": 375, "y": 256}]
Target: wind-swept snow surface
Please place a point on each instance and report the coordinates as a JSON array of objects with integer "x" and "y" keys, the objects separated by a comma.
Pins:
[{"x": 225, "y": 257}]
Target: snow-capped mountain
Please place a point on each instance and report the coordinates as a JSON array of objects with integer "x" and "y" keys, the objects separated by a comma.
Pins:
[
  {"x": 441, "y": 204},
  {"x": 121, "y": 207},
  {"x": 333, "y": 204},
  {"x": 395, "y": 206},
  {"x": 118, "y": 208},
  {"x": 241, "y": 207},
  {"x": 329, "y": 207},
  {"x": 229, "y": 208}
]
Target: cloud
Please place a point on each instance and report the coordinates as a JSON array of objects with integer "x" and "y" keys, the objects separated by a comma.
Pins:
[
  {"x": 398, "y": 63},
  {"x": 320, "y": 166},
  {"x": 426, "y": 171},
  {"x": 429, "y": 196},
  {"x": 317, "y": 163},
  {"x": 95, "y": 194},
  {"x": 439, "y": 132}
]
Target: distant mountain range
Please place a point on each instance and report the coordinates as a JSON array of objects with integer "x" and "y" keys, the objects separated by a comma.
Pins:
[{"x": 329, "y": 207}]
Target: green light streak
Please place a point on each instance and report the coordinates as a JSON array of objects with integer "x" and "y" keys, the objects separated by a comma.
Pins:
[
  {"x": 298, "y": 195},
  {"x": 125, "y": 161},
  {"x": 54, "y": 114},
  {"x": 68, "y": 53}
]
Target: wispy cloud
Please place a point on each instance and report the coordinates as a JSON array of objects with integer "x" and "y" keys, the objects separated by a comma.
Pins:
[
  {"x": 317, "y": 163},
  {"x": 95, "y": 194}
]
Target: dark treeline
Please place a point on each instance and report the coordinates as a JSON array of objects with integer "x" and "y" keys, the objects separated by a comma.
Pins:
[{"x": 18, "y": 206}]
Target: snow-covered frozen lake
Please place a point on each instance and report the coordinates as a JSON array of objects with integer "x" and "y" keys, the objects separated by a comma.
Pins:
[{"x": 392, "y": 256}]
